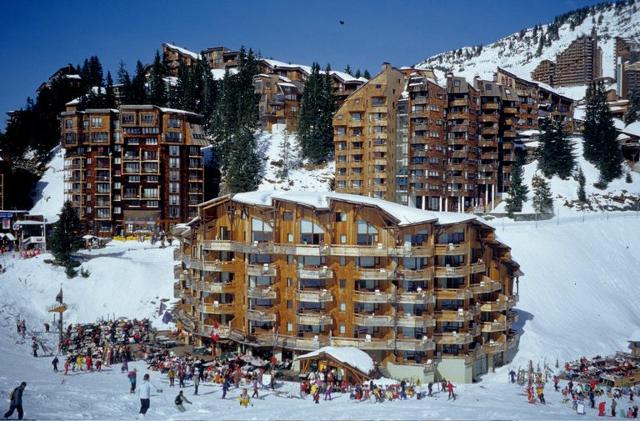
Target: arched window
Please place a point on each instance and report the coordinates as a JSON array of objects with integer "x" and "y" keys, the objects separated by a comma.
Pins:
[
  {"x": 261, "y": 231},
  {"x": 310, "y": 232},
  {"x": 367, "y": 234}
]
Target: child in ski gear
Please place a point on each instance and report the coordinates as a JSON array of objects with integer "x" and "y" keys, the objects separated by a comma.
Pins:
[
  {"x": 16, "y": 401},
  {"x": 244, "y": 398},
  {"x": 512, "y": 374},
  {"x": 54, "y": 363},
  {"x": 172, "y": 377},
  {"x": 450, "y": 388},
  {"x": 132, "y": 379},
  {"x": 178, "y": 401},
  {"x": 315, "y": 393}
]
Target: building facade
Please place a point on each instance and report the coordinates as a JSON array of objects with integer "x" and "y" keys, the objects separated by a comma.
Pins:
[
  {"x": 174, "y": 56},
  {"x": 545, "y": 72},
  {"x": 135, "y": 169},
  {"x": 580, "y": 63},
  {"x": 403, "y": 136},
  {"x": 420, "y": 291}
]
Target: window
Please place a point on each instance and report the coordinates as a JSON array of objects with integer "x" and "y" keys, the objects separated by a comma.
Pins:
[
  {"x": 146, "y": 118},
  {"x": 289, "y": 282},
  {"x": 343, "y": 239},
  {"x": 150, "y": 192},
  {"x": 128, "y": 118},
  {"x": 342, "y": 330},
  {"x": 151, "y": 141},
  {"x": 341, "y": 217},
  {"x": 174, "y": 212},
  {"x": 310, "y": 232},
  {"x": 367, "y": 234},
  {"x": 96, "y": 122},
  {"x": 261, "y": 231},
  {"x": 174, "y": 150},
  {"x": 174, "y": 199},
  {"x": 174, "y": 162},
  {"x": 343, "y": 260},
  {"x": 174, "y": 175},
  {"x": 289, "y": 304},
  {"x": 68, "y": 123},
  {"x": 289, "y": 327},
  {"x": 152, "y": 203},
  {"x": 287, "y": 216},
  {"x": 173, "y": 136},
  {"x": 290, "y": 238},
  {"x": 343, "y": 283},
  {"x": 117, "y": 210},
  {"x": 133, "y": 179},
  {"x": 174, "y": 123}
]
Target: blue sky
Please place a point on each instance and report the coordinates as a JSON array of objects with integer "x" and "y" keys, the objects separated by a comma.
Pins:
[{"x": 39, "y": 36}]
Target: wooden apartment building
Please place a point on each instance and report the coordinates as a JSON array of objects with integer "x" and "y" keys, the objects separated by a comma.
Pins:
[
  {"x": 545, "y": 72},
  {"x": 422, "y": 292},
  {"x": 132, "y": 170}
]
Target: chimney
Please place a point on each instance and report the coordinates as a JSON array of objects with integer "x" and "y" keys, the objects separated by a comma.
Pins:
[{"x": 386, "y": 66}]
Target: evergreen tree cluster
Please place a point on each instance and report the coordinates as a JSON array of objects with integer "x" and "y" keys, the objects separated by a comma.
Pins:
[
  {"x": 555, "y": 152},
  {"x": 67, "y": 235},
  {"x": 542, "y": 200},
  {"x": 633, "y": 113},
  {"x": 582, "y": 181},
  {"x": 315, "y": 128},
  {"x": 233, "y": 126},
  {"x": 518, "y": 190},
  {"x": 601, "y": 147}
]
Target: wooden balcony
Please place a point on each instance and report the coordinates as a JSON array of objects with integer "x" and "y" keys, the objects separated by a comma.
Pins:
[
  {"x": 314, "y": 296},
  {"x": 452, "y": 249},
  {"x": 373, "y": 320},
  {"x": 422, "y": 297},
  {"x": 490, "y": 106},
  {"x": 262, "y": 293},
  {"x": 453, "y": 338},
  {"x": 416, "y": 345},
  {"x": 510, "y": 110},
  {"x": 510, "y": 133},
  {"x": 218, "y": 308},
  {"x": 458, "y": 102},
  {"x": 485, "y": 286},
  {"x": 264, "y": 269},
  {"x": 451, "y": 271},
  {"x": 315, "y": 273},
  {"x": 460, "y": 315},
  {"x": 411, "y": 321},
  {"x": 500, "y": 305},
  {"x": 495, "y": 346},
  {"x": 368, "y": 344},
  {"x": 261, "y": 316},
  {"x": 478, "y": 267},
  {"x": 372, "y": 297},
  {"x": 453, "y": 294},
  {"x": 215, "y": 287},
  {"x": 314, "y": 319},
  {"x": 375, "y": 274},
  {"x": 498, "y": 325},
  {"x": 425, "y": 274}
]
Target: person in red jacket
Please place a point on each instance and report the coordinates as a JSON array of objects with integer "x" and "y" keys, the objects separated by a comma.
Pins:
[
  {"x": 602, "y": 409},
  {"x": 450, "y": 388},
  {"x": 89, "y": 361}
]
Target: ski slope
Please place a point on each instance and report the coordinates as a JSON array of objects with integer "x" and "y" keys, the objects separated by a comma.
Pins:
[{"x": 48, "y": 194}]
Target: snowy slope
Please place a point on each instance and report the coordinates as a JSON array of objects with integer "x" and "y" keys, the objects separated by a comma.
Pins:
[
  {"x": 48, "y": 194},
  {"x": 302, "y": 176},
  {"x": 127, "y": 279},
  {"x": 518, "y": 54},
  {"x": 615, "y": 196}
]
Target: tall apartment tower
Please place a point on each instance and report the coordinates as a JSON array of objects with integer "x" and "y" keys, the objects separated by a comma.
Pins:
[
  {"x": 580, "y": 63},
  {"x": 132, "y": 170},
  {"x": 545, "y": 72},
  {"x": 364, "y": 136}
]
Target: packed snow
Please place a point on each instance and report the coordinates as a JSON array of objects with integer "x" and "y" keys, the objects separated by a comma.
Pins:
[
  {"x": 618, "y": 193},
  {"x": 302, "y": 175},
  {"x": 48, "y": 195}
]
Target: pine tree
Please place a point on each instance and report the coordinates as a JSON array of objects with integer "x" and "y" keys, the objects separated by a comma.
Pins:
[
  {"x": 157, "y": 90},
  {"x": 124, "y": 80},
  {"x": 366, "y": 74},
  {"x": 358, "y": 74},
  {"x": 348, "y": 70},
  {"x": 542, "y": 200},
  {"x": 315, "y": 129},
  {"x": 555, "y": 153},
  {"x": 601, "y": 147},
  {"x": 633, "y": 113},
  {"x": 546, "y": 149},
  {"x": 288, "y": 154},
  {"x": 580, "y": 178},
  {"x": 67, "y": 234},
  {"x": 518, "y": 191},
  {"x": 138, "y": 86},
  {"x": 110, "y": 98}
]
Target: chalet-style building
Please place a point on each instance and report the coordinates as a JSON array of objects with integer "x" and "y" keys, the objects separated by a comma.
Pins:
[
  {"x": 132, "y": 170},
  {"x": 425, "y": 294},
  {"x": 174, "y": 56},
  {"x": 403, "y": 136}
]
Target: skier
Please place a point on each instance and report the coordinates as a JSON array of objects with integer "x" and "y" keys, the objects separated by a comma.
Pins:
[
  {"x": 54, "y": 363},
  {"x": 196, "y": 383},
  {"x": 172, "y": 377},
  {"x": 34, "y": 346},
  {"x": 450, "y": 388},
  {"x": 46, "y": 328},
  {"x": 255, "y": 388},
  {"x": 556, "y": 380},
  {"x": 315, "y": 392},
  {"x": 132, "y": 379},
  {"x": 512, "y": 374},
  {"x": 430, "y": 386},
  {"x": 16, "y": 401},
  {"x": 179, "y": 399},
  {"x": 592, "y": 399},
  {"x": 614, "y": 404},
  {"x": 144, "y": 391},
  {"x": 225, "y": 387},
  {"x": 602, "y": 409},
  {"x": 89, "y": 362}
]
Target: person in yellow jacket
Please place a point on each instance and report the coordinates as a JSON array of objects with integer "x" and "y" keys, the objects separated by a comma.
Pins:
[
  {"x": 244, "y": 398},
  {"x": 79, "y": 362},
  {"x": 315, "y": 392}
]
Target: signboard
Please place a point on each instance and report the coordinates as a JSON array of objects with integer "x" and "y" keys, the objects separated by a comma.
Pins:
[{"x": 6, "y": 223}]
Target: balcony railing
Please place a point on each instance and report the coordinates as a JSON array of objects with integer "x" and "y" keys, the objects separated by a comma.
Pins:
[
  {"x": 218, "y": 308},
  {"x": 453, "y": 294},
  {"x": 485, "y": 286},
  {"x": 453, "y": 338},
  {"x": 314, "y": 319},
  {"x": 376, "y": 274},
  {"x": 452, "y": 249},
  {"x": 314, "y": 296},
  {"x": 261, "y": 316},
  {"x": 411, "y": 321},
  {"x": 416, "y": 345},
  {"x": 459, "y": 315},
  {"x": 262, "y": 293},
  {"x": 315, "y": 273},
  {"x": 264, "y": 269},
  {"x": 372, "y": 297},
  {"x": 373, "y": 320},
  {"x": 422, "y": 297},
  {"x": 416, "y": 274}
]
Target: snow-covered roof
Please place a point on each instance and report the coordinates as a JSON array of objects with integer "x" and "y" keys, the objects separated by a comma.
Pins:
[
  {"x": 354, "y": 357},
  {"x": 345, "y": 77},
  {"x": 405, "y": 215},
  {"x": 632, "y": 129},
  {"x": 529, "y": 133},
  {"x": 177, "y": 111},
  {"x": 73, "y": 76},
  {"x": 183, "y": 51},
  {"x": 218, "y": 74},
  {"x": 171, "y": 80}
]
